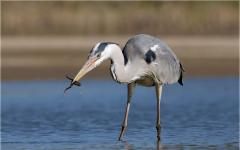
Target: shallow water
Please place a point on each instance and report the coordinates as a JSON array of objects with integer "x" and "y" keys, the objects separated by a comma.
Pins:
[{"x": 36, "y": 115}]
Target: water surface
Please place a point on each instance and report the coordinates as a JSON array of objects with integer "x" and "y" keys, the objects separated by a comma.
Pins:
[{"x": 36, "y": 115}]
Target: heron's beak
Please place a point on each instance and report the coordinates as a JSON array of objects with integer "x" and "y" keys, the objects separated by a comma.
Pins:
[{"x": 88, "y": 66}]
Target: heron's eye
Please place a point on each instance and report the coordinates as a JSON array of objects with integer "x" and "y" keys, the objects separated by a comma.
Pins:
[{"x": 98, "y": 55}]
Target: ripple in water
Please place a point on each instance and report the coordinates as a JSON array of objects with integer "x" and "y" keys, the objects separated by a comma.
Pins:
[{"x": 203, "y": 114}]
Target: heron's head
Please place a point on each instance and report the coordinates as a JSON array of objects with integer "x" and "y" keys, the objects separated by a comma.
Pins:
[{"x": 99, "y": 53}]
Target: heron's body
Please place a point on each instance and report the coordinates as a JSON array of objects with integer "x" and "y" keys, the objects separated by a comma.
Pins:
[
  {"x": 144, "y": 60},
  {"x": 147, "y": 60}
]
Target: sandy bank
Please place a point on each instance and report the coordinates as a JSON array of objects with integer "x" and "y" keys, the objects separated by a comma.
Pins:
[{"x": 53, "y": 57}]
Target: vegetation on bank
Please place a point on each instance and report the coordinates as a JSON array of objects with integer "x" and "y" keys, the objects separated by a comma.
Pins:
[{"x": 107, "y": 18}]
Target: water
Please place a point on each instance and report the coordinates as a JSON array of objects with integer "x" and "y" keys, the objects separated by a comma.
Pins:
[{"x": 36, "y": 115}]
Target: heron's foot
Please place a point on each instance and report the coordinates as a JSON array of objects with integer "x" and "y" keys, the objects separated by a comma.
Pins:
[
  {"x": 122, "y": 132},
  {"x": 158, "y": 127}
]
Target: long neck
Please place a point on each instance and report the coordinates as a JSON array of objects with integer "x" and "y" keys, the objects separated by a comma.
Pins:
[{"x": 121, "y": 72}]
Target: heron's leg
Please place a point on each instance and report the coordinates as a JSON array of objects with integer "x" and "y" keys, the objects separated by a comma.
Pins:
[
  {"x": 131, "y": 87},
  {"x": 158, "y": 94}
]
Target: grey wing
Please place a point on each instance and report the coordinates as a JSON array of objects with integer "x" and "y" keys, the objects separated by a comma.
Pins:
[
  {"x": 158, "y": 58},
  {"x": 137, "y": 46},
  {"x": 166, "y": 66}
]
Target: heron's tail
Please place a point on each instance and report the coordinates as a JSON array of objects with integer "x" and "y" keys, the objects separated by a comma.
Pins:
[{"x": 180, "y": 81}]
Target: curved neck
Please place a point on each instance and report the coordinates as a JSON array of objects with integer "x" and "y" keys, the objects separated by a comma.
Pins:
[{"x": 120, "y": 70}]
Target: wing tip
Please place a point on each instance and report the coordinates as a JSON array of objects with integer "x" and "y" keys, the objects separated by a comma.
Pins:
[{"x": 180, "y": 80}]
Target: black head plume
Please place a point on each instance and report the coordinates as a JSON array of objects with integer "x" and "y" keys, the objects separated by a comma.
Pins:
[{"x": 71, "y": 83}]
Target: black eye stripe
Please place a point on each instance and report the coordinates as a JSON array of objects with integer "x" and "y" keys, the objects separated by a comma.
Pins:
[{"x": 102, "y": 46}]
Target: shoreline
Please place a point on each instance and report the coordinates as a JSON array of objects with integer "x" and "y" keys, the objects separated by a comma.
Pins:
[{"x": 29, "y": 58}]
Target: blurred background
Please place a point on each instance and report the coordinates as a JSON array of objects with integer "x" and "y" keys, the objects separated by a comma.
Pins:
[
  {"x": 43, "y": 41},
  {"x": 47, "y": 40}
]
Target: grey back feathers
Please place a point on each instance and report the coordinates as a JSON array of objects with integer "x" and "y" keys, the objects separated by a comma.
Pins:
[{"x": 158, "y": 56}]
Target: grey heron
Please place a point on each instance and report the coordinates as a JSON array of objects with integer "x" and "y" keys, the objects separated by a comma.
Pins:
[{"x": 145, "y": 60}]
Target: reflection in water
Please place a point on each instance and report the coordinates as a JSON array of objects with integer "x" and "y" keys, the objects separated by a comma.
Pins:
[
  {"x": 128, "y": 146},
  {"x": 158, "y": 145}
]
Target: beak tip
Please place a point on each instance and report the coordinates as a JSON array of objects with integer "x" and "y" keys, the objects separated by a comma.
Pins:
[
  {"x": 76, "y": 83},
  {"x": 71, "y": 83}
]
